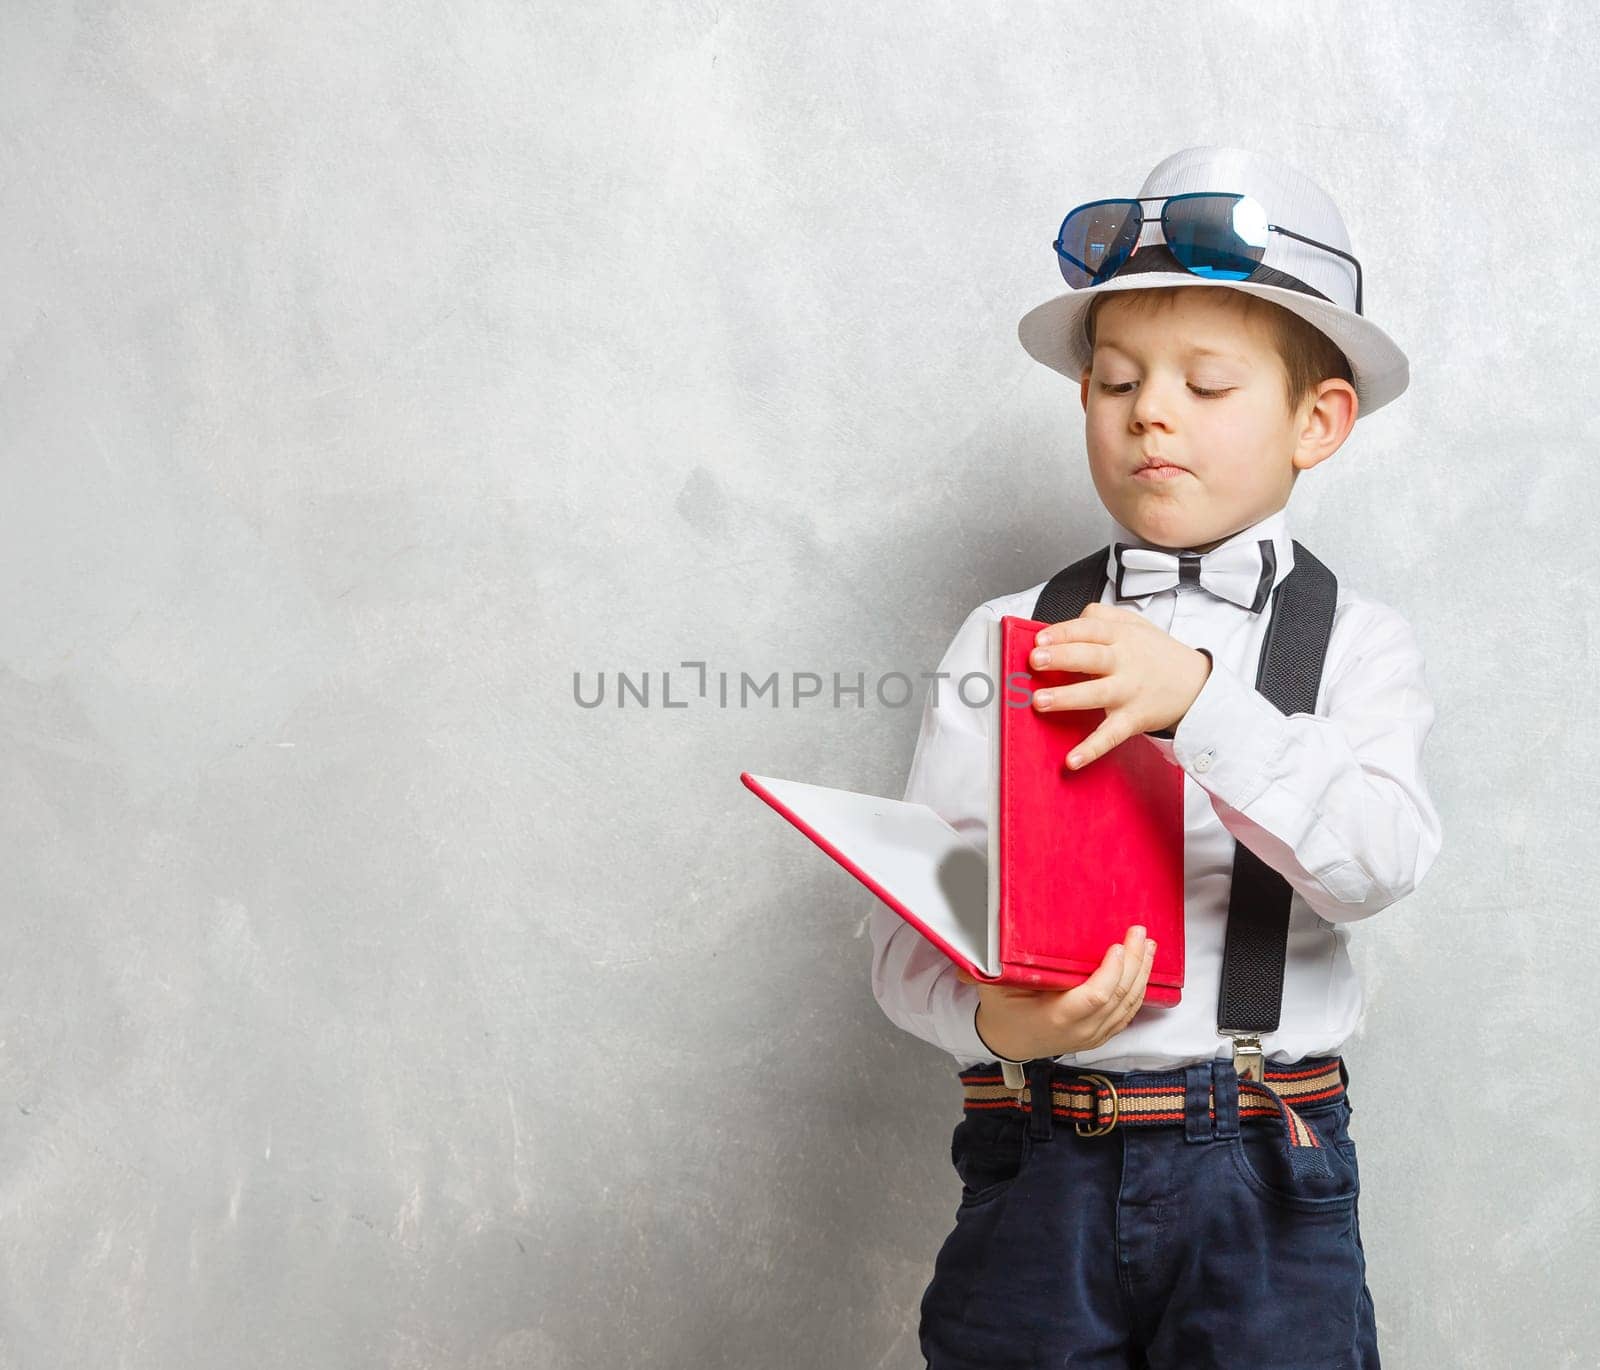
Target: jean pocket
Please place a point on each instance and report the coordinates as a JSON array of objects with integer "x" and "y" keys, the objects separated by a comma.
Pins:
[
  {"x": 989, "y": 1152},
  {"x": 1261, "y": 1156}
]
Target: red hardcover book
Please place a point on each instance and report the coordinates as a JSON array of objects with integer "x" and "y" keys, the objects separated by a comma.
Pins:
[{"x": 1074, "y": 858}]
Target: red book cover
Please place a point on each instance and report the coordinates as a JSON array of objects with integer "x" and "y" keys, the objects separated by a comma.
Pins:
[
  {"x": 1078, "y": 856},
  {"x": 1074, "y": 857}
]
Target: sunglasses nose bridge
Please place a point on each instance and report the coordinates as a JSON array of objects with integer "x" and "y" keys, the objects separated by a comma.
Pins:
[{"x": 1151, "y": 233}]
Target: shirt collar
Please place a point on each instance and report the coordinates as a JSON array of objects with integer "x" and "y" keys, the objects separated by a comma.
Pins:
[{"x": 1274, "y": 528}]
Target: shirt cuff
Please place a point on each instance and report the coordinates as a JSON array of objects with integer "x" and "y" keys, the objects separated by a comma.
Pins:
[
  {"x": 956, "y": 1026},
  {"x": 1228, "y": 739}
]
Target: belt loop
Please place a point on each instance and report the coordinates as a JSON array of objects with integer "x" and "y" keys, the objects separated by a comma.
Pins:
[
  {"x": 1040, "y": 1078},
  {"x": 1197, "y": 1121},
  {"x": 1225, "y": 1094}
]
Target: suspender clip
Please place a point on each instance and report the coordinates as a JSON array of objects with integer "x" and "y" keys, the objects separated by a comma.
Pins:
[{"x": 1249, "y": 1060}]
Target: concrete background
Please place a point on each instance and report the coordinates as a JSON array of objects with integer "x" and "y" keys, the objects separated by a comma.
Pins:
[{"x": 367, "y": 370}]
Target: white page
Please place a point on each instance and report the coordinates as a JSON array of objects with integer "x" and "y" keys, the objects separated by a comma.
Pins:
[{"x": 907, "y": 849}]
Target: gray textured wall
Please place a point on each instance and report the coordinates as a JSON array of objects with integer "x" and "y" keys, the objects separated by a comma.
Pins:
[{"x": 367, "y": 369}]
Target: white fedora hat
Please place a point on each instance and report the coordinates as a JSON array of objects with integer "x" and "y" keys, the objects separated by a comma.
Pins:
[{"x": 1319, "y": 285}]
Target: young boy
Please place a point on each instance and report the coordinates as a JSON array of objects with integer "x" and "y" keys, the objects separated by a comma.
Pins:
[{"x": 1216, "y": 330}]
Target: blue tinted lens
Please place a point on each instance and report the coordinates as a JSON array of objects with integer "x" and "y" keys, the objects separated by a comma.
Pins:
[
  {"x": 1220, "y": 236},
  {"x": 1096, "y": 239}
]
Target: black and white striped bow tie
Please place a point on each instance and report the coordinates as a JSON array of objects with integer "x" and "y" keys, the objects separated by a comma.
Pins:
[{"x": 1240, "y": 572}]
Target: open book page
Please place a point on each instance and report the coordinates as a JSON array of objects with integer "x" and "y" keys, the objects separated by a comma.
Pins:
[{"x": 912, "y": 859}]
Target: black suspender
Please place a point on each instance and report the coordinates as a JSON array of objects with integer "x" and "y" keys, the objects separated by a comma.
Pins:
[{"x": 1251, "y": 994}]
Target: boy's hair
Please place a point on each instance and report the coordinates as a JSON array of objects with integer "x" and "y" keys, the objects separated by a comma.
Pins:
[{"x": 1309, "y": 356}]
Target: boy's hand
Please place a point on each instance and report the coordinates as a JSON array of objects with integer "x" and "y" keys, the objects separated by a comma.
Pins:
[
  {"x": 1148, "y": 679},
  {"x": 1024, "y": 1023}
]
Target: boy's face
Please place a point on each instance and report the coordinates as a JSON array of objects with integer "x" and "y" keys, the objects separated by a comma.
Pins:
[{"x": 1201, "y": 385}]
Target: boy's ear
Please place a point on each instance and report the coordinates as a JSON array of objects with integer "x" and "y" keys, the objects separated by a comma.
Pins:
[
  {"x": 1329, "y": 417},
  {"x": 1083, "y": 393}
]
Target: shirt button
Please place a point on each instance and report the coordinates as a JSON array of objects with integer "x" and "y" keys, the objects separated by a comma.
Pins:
[{"x": 1203, "y": 761}]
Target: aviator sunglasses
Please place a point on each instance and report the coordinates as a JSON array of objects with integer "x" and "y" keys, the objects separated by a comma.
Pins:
[{"x": 1220, "y": 236}]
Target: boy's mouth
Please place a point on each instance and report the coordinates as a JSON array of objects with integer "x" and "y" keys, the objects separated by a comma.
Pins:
[{"x": 1159, "y": 468}]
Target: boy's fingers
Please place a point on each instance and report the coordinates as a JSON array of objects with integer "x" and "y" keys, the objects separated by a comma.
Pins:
[
  {"x": 1127, "y": 983},
  {"x": 1135, "y": 999},
  {"x": 1099, "y": 991},
  {"x": 1130, "y": 1011},
  {"x": 1127, "y": 972},
  {"x": 1146, "y": 963},
  {"x": 1135, "y": 943},
  {"x": 1111, "y": 733},
  {"x": 1135, "y": 973}
]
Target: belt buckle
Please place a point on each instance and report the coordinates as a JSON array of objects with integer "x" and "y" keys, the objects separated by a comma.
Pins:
[{"x": 1094, "y": 1129}]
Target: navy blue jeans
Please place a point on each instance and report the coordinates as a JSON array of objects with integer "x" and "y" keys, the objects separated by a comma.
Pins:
[{"x": 1192, "y": 1247}]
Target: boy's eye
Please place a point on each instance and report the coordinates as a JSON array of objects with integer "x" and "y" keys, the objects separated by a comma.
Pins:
[{"x": 1122, "y": 388}]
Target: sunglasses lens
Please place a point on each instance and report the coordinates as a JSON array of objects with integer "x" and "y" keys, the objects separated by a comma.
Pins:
[
  {"x": 1096, "y": 239},
  {"x": 1220, "y": 236}
]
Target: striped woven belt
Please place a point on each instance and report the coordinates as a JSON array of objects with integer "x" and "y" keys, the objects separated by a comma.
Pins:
[{"x": 1153, "y": 1098}]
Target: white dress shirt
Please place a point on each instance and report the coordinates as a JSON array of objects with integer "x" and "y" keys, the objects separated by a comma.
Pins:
[{"x": 1334, "y": 801}]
